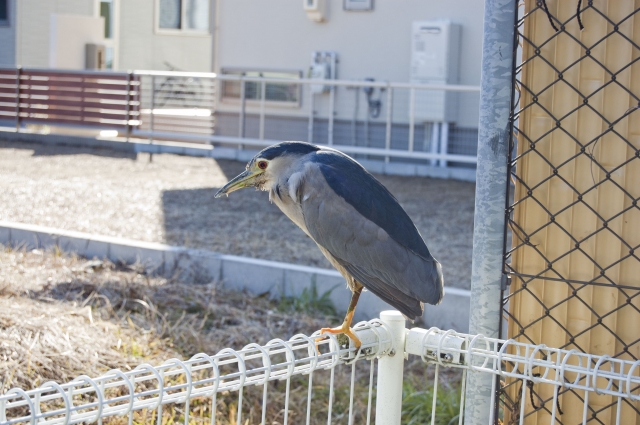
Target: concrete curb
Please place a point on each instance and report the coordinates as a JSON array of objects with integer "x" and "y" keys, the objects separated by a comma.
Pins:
[
  {"x": 239, "y": 273},
  {"x": 205, "y": 150}
]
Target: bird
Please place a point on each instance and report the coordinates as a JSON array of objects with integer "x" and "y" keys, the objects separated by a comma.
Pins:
[{"x": 356, "y": 222}]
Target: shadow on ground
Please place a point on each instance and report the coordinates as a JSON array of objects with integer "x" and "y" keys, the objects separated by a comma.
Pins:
[{"x": 244, "y": 223}]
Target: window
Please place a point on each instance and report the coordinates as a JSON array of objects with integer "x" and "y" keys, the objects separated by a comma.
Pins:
[
  {"x": 183, "y": 15},
  {"x": 285, "y": 93},
  {"x": 107, "y": 12},
  {"x": 4, "y": 12},
  {"x": 358, "y": 4}
]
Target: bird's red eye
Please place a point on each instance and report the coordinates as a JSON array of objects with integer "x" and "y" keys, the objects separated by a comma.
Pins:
[{"x": 262, "y": 165}]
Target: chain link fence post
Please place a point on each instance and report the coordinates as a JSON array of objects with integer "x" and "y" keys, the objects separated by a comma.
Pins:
[{"x": 489, "y": 220}]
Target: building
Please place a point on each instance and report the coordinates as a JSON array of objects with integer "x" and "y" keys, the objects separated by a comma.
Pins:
[
  {"x": 133, "y": 34},
  {"x": 369, "y": 40},
  {"x": 336, "y": 39}
]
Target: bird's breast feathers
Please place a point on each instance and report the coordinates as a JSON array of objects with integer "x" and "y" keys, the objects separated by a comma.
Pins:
[{"x": 288, "y": 198}]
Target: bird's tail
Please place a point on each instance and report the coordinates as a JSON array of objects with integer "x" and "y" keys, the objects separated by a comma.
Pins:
[{"x": 439, "y": 282}]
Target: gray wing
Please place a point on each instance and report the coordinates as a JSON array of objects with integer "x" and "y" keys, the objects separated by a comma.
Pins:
[{"x": 385, "y": 266}]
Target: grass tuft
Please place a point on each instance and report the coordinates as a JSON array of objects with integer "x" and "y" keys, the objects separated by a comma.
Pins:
[
  {"x": 310, "y": 302},
  {"x": 417, "y": 404}
]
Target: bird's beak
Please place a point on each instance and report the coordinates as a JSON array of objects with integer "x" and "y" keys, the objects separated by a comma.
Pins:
[{"x": 242, "y": 180}]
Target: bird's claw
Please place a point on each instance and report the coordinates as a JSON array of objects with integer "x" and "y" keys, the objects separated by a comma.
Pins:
[{"x": 347, "y": 333}]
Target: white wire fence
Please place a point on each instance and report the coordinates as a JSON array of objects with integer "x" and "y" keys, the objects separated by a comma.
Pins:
[{"x": 198, "y": 385}]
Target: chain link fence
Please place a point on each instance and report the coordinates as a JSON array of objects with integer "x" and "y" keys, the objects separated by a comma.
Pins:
[{"x": 572, "y": 254}]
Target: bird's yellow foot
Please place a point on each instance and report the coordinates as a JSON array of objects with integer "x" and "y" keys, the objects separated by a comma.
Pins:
[{"x": 344, "y": 329}]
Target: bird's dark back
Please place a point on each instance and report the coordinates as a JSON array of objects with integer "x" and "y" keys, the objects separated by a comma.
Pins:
[{"x": 370, "y": 198}]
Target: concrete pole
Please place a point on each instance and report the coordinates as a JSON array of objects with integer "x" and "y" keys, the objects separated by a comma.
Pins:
[
  {"x": 491, "y": 178},
  {"x": 390, "y": 373}
]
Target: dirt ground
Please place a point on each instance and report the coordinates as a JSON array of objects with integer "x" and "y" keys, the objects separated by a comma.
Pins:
[{"x": 171, "y": 200}]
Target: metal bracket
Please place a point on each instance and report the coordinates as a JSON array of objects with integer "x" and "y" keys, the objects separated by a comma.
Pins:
[{"x": 505, "y": 281}]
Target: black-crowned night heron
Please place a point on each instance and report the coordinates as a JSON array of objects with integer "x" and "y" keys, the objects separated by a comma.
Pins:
[{"x": 358, "y": 225}]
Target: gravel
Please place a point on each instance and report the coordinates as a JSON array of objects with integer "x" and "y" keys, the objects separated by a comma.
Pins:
[{"x": 170, "y": 200}]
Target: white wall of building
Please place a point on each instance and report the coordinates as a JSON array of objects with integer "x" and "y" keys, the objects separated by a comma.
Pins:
[
  {"x": 34, "y": 27},
  {"x": 141, "y": 46},
  {"x": 69, "y": 36},
  {"x": 277, "y": 34},
  {"x": 8, "y": 38}
]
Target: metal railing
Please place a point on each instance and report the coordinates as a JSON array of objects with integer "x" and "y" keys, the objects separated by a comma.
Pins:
[
  {"x": 118, "y": 393},
  {"x": 429, "y": 123},
  {"x": 403, "y": 120}
]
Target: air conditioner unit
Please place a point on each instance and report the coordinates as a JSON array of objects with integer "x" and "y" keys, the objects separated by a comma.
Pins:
[
  {"x": 316, "y": 9},
  {"x": 435, "y": 56},
  {"x": 95, "y": 56}
]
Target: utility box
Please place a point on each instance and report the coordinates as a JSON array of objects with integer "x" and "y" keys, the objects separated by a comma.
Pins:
[
  {"x": 435, "y": 57},
  {"x": 95, "y": 56},
  {"x": 323, "y": 67}
]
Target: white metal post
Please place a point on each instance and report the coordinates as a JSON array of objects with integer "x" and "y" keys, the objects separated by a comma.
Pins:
[
  {"x": 435, "y": 141},
  {"x": 387, "y": 138},
  {"x": 390, "y": 372},
  {"x": 153, "y": 106},
  {"x": 332, "y": 99},
  {"x": 412, "y": 116},
  {"x": 243, "y": 105},
  {"x": 263, "y": 96},
  {"x": 444, "y": 142},
  {"x": 310, "y": 125}
]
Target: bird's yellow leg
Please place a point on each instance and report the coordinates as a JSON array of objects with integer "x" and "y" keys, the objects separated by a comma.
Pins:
[{"x": 346, "y": 325}]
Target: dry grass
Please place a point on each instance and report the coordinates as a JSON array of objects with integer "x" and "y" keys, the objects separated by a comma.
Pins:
[
  {"x": 92, "y": 315},
  {"x": 62, "y": 316}
]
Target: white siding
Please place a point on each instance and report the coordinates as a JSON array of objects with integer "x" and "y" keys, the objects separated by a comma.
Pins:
[
  {"x": 8, "y": 38},
  {"x": 34, "y": 27},
  {"x": 69, "y": 36},
  {"x": 142, "y": 48},
  {"x": 276, "y": 34}
]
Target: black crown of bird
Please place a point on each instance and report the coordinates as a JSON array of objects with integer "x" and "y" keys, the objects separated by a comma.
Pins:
[{"x": 355, "y": 221}]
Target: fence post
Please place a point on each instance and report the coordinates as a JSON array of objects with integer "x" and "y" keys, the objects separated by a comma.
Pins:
[
  {"x": 412, "y": 116},
  {"x": 18, "y": 73},
  {"x": 152, "y": 114},
  {"x": 491, "y": 180},
  {"x": 153, "y": 106},
  {"x": 263, "y": 99},
  {"x": 444, "y": 142},
  {"x": 311, "y": 106},
  {"x": 390, "y": 372},
  {"x": 128, "y": 117},
  {"x": 241, "y": 117},
  {"x": 332, "y": 100},
  {"x": 387, "y": 133},
  {"x": 435, "y": 141}
]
